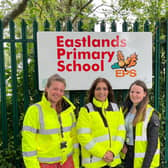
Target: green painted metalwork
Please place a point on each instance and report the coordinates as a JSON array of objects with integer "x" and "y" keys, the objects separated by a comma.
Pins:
[
  {"x": 69, "y": 25},
  {"x": 58, "y": 25},
  {"x": 35, "y": 73},
  {"x": 157, "y": 67},
  {"x": 14, "y": 83},
  {"x": 113, "y": 26},
  {"x": 3, "y": 92},
  {"x": 80, "y": 26},
  {"x": 25, "y": 66},
  {"x": 125, "y": 26},
  {"x": 136, "y": 27},
  {"x": 46, "y": 25},
  {"x": 166, "y": 83},
  {"x": 146, "y": 26},
  {"x": 103, "y": 26}
]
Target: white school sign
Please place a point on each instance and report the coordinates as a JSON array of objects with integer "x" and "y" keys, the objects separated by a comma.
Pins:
[{"x": 81, "y": 57}]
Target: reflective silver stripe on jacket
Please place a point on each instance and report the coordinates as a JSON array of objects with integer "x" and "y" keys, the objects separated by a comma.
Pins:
[
  {"x": 50, "y": 131},
  {"x": 121, "y": 128},
  {"x": 95, "y": 140},
  {"x": 41, "y": 131},
  {"x": 90, "y": 107},
  {"x": 67, "y": 129},
  {"x": 143, "y": 137},
  {"x": 115, "y": 107},
  {"x": 41, "y": 118},
  {"x": 94, "y": 159},
  {"x": 29, "y": 154},
  {"x": 84, "y": 131},
  {"x": 73, "y": 121},
  {"x": 28, "y": 128},
  {"x": 52, "y": 159},
  {"x": 142, "y": 155},
  {"x": 76, "y": 145},
  {"x": 118, "y": 138}
]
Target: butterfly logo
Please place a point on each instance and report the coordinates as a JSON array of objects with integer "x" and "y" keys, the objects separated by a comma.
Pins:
[{"x": 122, "y": 63}]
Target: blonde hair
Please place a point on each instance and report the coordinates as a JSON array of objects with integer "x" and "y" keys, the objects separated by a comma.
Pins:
[{"x": 52, "y": 78}]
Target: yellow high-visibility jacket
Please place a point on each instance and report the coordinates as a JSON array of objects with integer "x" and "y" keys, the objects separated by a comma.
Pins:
[
  {"x": 100, "y": 127},
  {"x": 141, "y": 142},
  {"x": 49, "y": 137}
]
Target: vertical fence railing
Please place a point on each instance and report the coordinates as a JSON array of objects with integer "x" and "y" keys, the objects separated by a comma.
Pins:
[
  {"x": 157, "y": 67},
  {"x": 35, "y": 73},
  {"x": 166, "y": 92},
  {"x": 3, "y": 92},
  {"x": 25, "y": 65},
  {"x": 14, "y": 83}
]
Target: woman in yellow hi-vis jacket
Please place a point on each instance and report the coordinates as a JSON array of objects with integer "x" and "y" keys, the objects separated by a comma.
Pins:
[
  {"x": 49, "y": 133},
  {"x": 100, "y": 126},
  {"x": 142, "y": 146}
]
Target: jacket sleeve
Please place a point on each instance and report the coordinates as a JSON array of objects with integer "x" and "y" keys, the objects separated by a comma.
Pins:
[
  {"x": 29, "y": 131},
  {"x": 152, "y": 137},
  {"x": 119, "y": 138},
  {"x": 85, "y": 136},
  {"x": 75, "y": 142}
]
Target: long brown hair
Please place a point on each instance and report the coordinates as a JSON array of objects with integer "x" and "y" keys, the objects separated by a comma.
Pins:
[
  {"x": 52, "y": 78},
  {"x": 93, "y": 87},
  {"x": 141, "y": 107}
]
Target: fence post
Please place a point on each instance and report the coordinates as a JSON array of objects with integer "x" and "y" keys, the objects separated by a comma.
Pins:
[
  {"x": 3, "y": 92},
  {"x": 14, "y": 83},
  {"x": 35, "y": 74},
  {"x": 113, "y": 26},
  {"x": 136, "y": 27},
  {"x": 58, "y": 25},
  {"x": 25, "y": 66},
  {"x": 157, "y": 67},
  {"x": 166, "y": 92}
]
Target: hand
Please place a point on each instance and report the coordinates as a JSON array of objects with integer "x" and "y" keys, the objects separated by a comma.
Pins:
[
  {"x": 108, "y": 157},
  {"x": 124, "y": 149}
]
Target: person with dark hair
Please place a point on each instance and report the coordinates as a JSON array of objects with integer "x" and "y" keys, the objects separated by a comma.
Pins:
[
  {"x": 49, "y": 138},
  {"x": 142, "y": 144},
  {"x": 100, "y": 127}
]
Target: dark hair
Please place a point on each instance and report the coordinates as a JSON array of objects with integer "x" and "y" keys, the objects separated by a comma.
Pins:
[
  {"x": 93, "y": 87},
  {"x": 141, "y": 107}
]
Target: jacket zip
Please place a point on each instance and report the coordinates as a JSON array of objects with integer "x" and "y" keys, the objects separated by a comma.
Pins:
[{"x": 61, "y": 128}]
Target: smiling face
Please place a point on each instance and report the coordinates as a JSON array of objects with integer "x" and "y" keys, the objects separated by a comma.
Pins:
[
  {"x": 55, "y": 91},
  {"x": 136, "y": 94},
  {"x": 101, "y": 91}
]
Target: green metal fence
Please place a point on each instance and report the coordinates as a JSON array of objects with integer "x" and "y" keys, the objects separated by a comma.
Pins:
[{"x": 19, "y": 81}]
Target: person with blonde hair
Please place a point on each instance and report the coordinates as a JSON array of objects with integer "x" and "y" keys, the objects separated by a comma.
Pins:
[
  {"x": 142, "y": 144},
  {"x": 100, "y": 126},
  {"x": 49, "y": 138}
]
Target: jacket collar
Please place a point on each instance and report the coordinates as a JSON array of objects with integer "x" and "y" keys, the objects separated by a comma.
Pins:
[{"x": 100, "y": 104}]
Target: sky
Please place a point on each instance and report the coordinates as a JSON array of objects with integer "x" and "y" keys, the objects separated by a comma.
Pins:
[{"x": 99, "y": 12}]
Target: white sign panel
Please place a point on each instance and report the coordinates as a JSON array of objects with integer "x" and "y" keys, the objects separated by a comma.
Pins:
[{"x": 81, "y": 57}]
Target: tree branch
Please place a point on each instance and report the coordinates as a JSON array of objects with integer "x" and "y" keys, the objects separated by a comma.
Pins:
[
  {"x": 20, "y": 8},
  {"x": 83, "y": 7}
]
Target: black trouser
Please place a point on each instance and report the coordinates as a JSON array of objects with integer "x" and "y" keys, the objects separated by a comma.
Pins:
[{"x": 129, "y": 159}]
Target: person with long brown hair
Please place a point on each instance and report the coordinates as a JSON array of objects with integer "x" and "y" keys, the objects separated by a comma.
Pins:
[
  {"x": 49, "y": 138},
  {"x": 100, "y": 127},
  {"x": 142, "y": 144}
]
